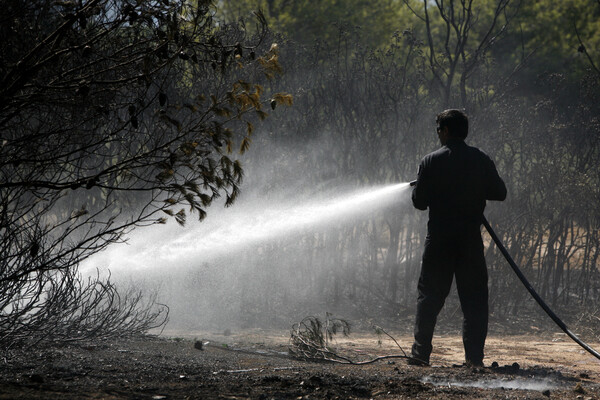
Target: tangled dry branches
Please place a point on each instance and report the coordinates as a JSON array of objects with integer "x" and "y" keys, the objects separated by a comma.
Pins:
[
  {"x": 310, "y": 340},
  {"x": 61, "y": 306}
]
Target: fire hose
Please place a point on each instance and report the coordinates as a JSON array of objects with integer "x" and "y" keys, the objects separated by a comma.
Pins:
[
  {"x": 531, "y": 290},
  {"x": 534, "y": 294}
]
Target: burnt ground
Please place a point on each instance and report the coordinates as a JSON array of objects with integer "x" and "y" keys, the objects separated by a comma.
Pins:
[{"x": 254, "y": 365}]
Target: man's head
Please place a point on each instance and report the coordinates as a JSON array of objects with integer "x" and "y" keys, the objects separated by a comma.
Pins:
[{"x": 452, "y": 124}]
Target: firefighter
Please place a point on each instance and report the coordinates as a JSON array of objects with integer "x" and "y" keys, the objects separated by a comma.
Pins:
[{"x": 454, "y": 183}]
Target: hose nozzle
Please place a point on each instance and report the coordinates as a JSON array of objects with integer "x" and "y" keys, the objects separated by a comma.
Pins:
[{"x": 413, "y": 183}]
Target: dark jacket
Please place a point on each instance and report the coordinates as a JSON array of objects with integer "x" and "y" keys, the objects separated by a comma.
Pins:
[{"x": 454, "y": 182}]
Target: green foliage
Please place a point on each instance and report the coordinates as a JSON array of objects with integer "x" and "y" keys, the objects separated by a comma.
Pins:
[
  {"x": 545, "y": 34},
  {"x": 308, "y": 21},
  {"x": 528, "y": 37}
]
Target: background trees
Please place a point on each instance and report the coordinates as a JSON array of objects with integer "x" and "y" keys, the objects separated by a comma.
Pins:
[
  {"x": 116, "y": 114},
  {"x": 364, "y": 114},
  {"x": 306, "y": 22}
]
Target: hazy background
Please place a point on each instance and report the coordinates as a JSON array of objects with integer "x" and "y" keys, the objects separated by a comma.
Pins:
[
  {"x": 367, "y": 80},
  {"x": 366, "y": 91}
]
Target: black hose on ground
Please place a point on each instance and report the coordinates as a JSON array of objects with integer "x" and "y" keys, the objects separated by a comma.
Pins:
[{"x": 534, "y": 294}]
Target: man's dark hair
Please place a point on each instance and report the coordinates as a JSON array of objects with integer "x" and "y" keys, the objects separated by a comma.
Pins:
[{"x": 456, "y": 121}]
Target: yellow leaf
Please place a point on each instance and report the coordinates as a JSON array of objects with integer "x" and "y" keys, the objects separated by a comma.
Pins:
[
  {"x": 222, "y": 112},
  {"x": 245, "y": 145},
  {"x": 180, "y": 217},
  {"x": 284, "y": 98},
  {"x": 261, "y": 114},
  {"x": 245, "y": 85}
]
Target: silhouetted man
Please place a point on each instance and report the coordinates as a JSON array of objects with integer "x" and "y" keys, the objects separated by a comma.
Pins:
[{"x": 454, "y": 182}]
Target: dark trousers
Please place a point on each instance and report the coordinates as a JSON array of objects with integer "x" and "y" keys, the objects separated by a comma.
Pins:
[{"x": 446, "y": 256}]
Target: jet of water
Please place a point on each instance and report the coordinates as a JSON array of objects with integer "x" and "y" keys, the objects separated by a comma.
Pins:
[{"x": 241, "y": 227}]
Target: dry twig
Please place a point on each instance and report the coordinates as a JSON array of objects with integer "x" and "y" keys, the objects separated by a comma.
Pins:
[{"x": 310, "y": 338}]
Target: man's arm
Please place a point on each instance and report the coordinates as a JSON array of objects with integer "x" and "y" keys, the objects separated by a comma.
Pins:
[
  {"x": 419, "y": 195},
  {"x": 495, "y": 188}
]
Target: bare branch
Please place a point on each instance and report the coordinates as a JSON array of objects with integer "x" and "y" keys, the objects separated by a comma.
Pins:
[{"x": 583, "y": 49}]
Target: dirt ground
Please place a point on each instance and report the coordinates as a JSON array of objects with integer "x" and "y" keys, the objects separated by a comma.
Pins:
[{"x": 255, "y": 365}]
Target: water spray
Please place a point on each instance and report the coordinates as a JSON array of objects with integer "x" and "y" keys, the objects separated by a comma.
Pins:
[
  {"x": 243, "y": 228},
  {"x": 531, "y": 290}
]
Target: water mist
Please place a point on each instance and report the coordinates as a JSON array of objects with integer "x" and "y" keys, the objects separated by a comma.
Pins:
[{"x": 206, "y": 271}]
